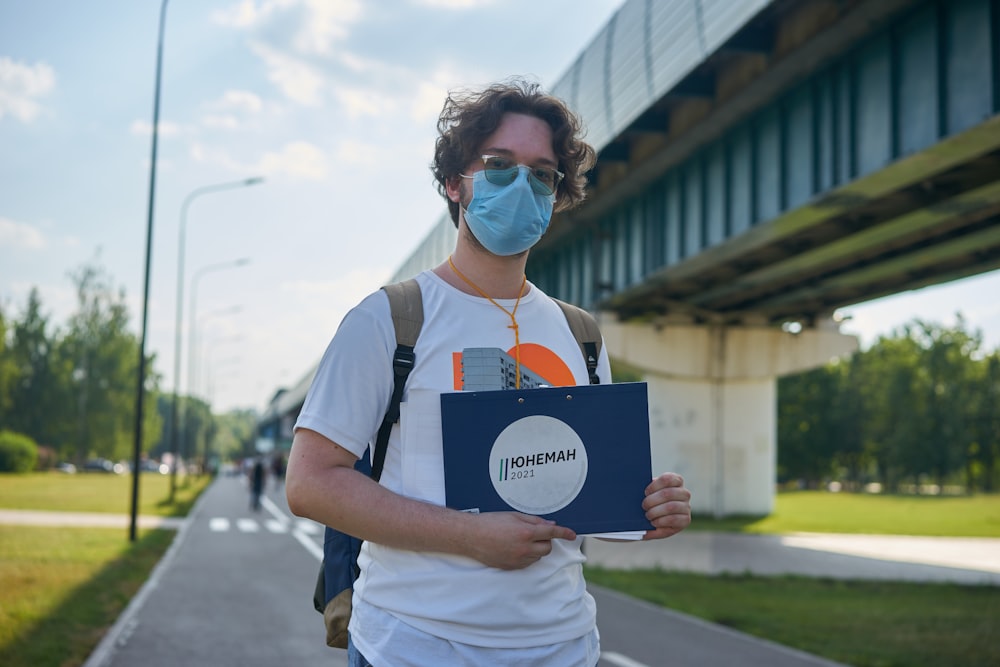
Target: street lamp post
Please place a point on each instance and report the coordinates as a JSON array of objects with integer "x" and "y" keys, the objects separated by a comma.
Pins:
[
  {"x": 204, "y": 373},
  {"x": 196, "y": 357},
  {"x": 178, "y": 318},
  {"x": 194, "y": 294},
  {"x": 141, "y": 385}
]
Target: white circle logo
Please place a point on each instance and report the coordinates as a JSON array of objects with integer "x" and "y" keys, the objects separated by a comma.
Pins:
[{"x": 538, "y": 464}]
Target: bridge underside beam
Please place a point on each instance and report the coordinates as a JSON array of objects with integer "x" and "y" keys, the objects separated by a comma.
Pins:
[
  {"x": 827, "y": 154},
  {"x": 926, "y": 219}
]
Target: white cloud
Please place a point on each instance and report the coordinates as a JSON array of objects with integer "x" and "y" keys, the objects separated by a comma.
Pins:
[
  {"x": 239, "y": 100},
  {"x": 221, "y": 122},
  {"x": 20, "y": 235},
  {"x": 298, "y": 159},
  {"x": 20, "y": 85},
  {"x": 455, "y": 4},
  {"x": 323, "y": 22},
  {"x": 144, "y": 128},
  {"x": 295, "y": 159},
  {"x": 248, "y": 13},
  {"x": 326, "y": 22},
  {"x": 231, "y": 111},
  {"x": 352, "y": 151},
  {"x": 357, "y": 102},
  {"x": 427, "y": 102},
  {"x": 336, "y": 296},
  {"x": 299, "y": 81}
]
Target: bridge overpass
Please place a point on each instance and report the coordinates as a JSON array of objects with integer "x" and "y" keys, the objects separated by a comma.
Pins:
[{"x": 761, "y": 164}]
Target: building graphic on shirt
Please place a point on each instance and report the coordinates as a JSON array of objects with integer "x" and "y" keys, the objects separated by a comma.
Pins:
[{"x": 490, "y": 369}]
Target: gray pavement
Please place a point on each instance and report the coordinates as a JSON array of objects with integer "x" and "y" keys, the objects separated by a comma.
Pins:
[
  {"x": 973, "y": 561},
  {"x": 234, "y": 587}
]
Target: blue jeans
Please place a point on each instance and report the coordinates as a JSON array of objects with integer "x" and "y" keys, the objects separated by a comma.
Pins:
[{"x": 354, "y": 657}]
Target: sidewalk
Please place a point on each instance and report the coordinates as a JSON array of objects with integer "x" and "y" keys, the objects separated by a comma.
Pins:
[
  {"x": 97, "y": 519},
  {"x": 971, "y": 560}
]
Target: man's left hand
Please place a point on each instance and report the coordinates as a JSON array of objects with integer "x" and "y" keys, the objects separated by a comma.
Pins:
[{"x": 667, "y": 505}]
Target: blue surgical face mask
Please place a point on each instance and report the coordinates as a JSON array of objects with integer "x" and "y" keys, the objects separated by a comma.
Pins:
[{"x": 507, "y": 219}]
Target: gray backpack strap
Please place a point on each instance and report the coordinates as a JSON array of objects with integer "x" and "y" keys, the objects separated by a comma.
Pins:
[
  {"x": 587, "y": 334},
  {"x": 407, "y": 306}
]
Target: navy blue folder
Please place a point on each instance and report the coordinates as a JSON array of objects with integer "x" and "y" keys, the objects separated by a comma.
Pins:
[{"x": 577, "y": 455}]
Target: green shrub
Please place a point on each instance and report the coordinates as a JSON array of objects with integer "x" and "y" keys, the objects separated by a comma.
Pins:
[{"x": 18, "y": 452}]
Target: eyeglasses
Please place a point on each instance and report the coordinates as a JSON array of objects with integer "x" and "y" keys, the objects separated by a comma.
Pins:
[{"x": 500, "y": 170}]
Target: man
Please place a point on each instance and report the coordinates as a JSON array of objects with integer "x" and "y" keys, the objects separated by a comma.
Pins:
[{"x": 438, "y": 586}]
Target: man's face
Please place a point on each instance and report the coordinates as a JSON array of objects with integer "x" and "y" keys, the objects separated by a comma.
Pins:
[{"x": 525, "y": 139}]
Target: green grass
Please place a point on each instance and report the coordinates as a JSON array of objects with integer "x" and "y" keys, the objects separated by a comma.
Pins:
[
  {"x": 63, "y": 588},
  {"x": 822, "y": 512},
  {"x": 98, "y": 492},
  {"x": 866, "y": 624}
]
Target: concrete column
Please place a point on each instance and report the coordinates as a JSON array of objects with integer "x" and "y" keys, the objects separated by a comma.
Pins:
[{"x": 713, "y": 401}]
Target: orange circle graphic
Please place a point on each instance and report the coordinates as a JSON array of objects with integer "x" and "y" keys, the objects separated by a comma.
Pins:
[{"x": 544, "y": 363}]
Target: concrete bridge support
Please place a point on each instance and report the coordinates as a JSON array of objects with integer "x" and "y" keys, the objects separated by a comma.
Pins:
[{"x": 713, "y": 401}]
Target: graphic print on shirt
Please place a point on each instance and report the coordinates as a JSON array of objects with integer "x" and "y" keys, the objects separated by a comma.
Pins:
[{"x": 490, "y": 368}]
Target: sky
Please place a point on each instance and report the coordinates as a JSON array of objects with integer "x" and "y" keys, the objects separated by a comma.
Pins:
[{"x": 332, "y": 102}]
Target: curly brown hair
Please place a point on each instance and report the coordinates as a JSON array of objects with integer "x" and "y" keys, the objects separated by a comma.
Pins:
[{"x": 469, "y": 117}]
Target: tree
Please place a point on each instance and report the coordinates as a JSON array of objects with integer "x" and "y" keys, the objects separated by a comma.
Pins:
[
  {"x": 984, "y": 451},
  {"x": 8, "y": 370},
  {"x": 101, "y": 353},
  {"x": 948, "y": 360},
  {"x": 807, "y": 430},
  {"x": 35, "y": 408},
  {"x": 236, "y": 435}
]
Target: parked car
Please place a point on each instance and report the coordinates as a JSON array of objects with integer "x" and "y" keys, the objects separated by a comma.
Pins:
[
  {"x": 103, "y": 465},
  {"x": 151, "y": 465},
  {"x": 64, "y": 467}
]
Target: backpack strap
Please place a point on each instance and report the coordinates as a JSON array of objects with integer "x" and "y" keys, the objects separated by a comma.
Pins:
[
  {"x": 587, "y": 334},
  {"x": 407, "y": 307}
]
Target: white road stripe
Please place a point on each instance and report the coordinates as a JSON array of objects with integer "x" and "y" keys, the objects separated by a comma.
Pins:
[
  {"x": 276, "y": 526},
  {"x": 218, "y": 524},
  {"x": 247, "y": 525},
  {"x": 273, "y": 509},
  {"x": 308, "y": 527},
  {"x": 620, "y": 660},
  {"x": 306, "y": 541}
]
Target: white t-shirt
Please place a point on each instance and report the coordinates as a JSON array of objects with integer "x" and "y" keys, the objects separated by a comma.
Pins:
[{"x": 446, "y": 596}]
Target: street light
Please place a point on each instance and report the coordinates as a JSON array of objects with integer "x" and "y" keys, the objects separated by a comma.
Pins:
[
  {"x": 211, "y": 374},
  {"x": 193, "y": 332},
  {"x": 204, "y": 374},
  {"x": 178, "y": 318},
  {"x": 194, "y": 293},
  {"x": 195, "y": 372},
  {"x": 141, "y": 388}
]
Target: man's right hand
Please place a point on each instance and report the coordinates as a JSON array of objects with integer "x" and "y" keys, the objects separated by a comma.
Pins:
[{"x": 511, "y": 540}]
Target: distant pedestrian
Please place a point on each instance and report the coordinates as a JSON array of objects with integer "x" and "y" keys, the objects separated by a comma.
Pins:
[
  {"x": 257, "y": 474},
  {"x": 278, "y": 469}
]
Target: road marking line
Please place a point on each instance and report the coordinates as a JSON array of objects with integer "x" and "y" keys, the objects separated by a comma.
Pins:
[
  {"x": 276, "y": 526},
  {"x": 620, "y": 660},
  {"x": 308, "y": 527},
  {"x": 306, "y": 541},
  {"x": 302, "y": 530},
  {"x": 218, "y": 524},
  {"x": 273, "y": 509},
  {"x": 247, "y": 525}
]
